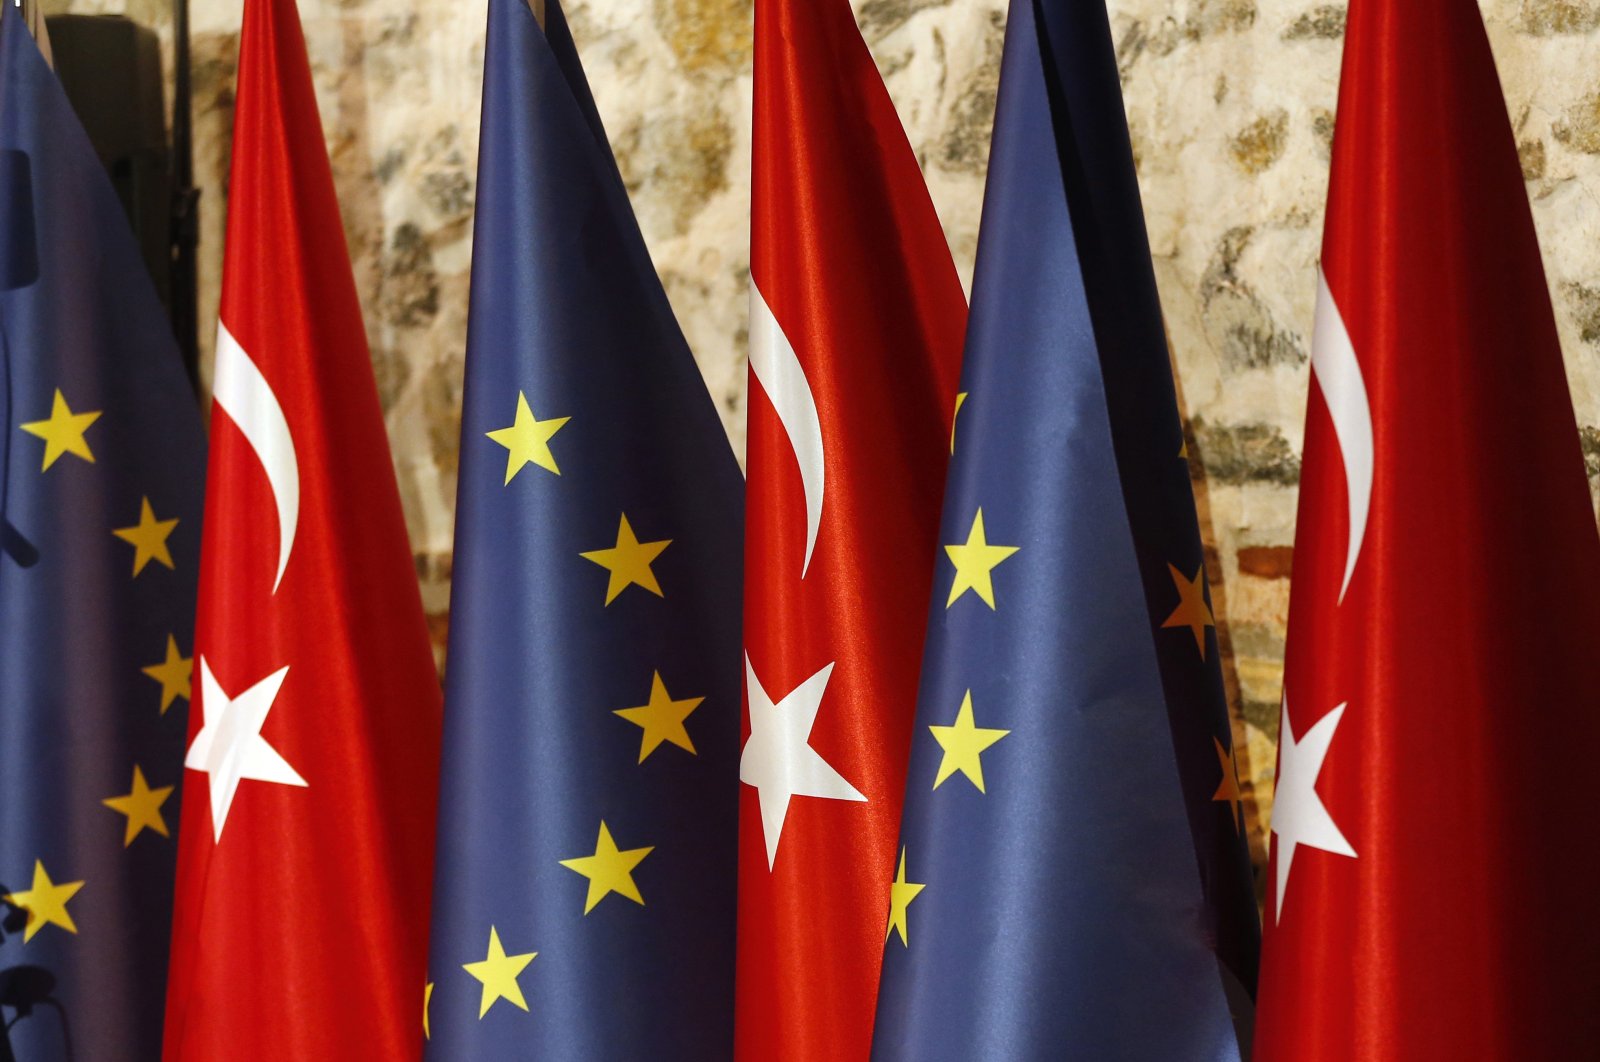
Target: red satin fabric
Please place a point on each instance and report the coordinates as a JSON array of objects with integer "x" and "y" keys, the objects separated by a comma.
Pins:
[
  {"x": 1468, "y": 645},
  {"x": 848, "y": 252},
  {"x": 303, "y": 934}
]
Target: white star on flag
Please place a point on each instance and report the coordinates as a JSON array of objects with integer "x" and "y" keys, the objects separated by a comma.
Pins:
[
  {"x": 779, "y": 761},
  {"x": 230, "y": 748},
  {"x": 1298, "y": 814}
]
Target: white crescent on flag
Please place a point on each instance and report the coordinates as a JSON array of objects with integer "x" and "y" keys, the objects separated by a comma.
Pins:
[
  {"x": 777, "y": 368},
  {"x": 247, "y": 398},
  {"x": 1338, "y": 373}
]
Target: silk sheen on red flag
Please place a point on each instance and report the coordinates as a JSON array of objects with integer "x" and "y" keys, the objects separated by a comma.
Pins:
[
  {"x": 306, "y": 841},
  {"x": 1434, "y": 839},
  {"x": 857, "y": 320}
]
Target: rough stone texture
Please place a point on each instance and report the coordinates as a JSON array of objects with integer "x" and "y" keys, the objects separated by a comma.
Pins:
[
  {"x": 1585, "y": 306},
  {"x": 1544, "y": 18},
  {"x": 1260, "y": 144},
  {"x": 1579, "y": 128},
  {"x": 1231, "y": 109},
  {"x": 1243, "y": 453},
  {"x": 1325, "y": 23}
]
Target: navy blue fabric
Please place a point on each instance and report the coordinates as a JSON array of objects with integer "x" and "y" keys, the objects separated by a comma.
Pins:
[
  {"x": 1094, "y": 901},
  {"x": 1119, "y": 282},
  {"x": 567, "y": 309},
  {"x": 79, "y": 315}
]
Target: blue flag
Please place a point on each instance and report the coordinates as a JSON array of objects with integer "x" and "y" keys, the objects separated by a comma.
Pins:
[
  {"x": 584, "y": 891},
  {"x": 1073, "y": 882},
  {"x": 101, "y": 485}
]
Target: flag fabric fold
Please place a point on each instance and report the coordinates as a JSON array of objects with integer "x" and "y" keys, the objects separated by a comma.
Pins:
[
  {"x": 1064, "y": 824},
  {"x": 96, "y": 605},
  {"x": 586, "y": 855},
  {"x": 305, "y": 855},
  {"x": 1433, "y": 861},
  {"x": 855, "y": 342}
]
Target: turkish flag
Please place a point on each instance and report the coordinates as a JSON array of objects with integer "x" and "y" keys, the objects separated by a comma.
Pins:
[
  {"x": 856, "y": 332},
  {"x": 1435, "y": 840},
  {"x": 306, "y": 838}
]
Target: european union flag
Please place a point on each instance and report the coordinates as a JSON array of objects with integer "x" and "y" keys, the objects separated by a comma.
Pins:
[
  {"x": 102, "y": 456},
  {"x": 584, "y": 890},
  {"x": 1073, "y": 881}
]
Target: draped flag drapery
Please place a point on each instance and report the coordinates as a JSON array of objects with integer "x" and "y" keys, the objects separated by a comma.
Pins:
[{"x": 306, "y": 847}]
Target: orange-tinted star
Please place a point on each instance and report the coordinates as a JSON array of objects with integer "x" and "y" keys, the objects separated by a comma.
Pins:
[
  {"x": 1192, "y": 610},
  {"x": 1228, "y": 788}
]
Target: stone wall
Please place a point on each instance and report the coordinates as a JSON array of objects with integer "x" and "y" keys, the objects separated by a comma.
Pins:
[{"x": 1231, "y": 108}]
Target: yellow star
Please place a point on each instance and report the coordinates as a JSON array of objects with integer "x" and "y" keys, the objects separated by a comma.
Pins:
[
  {"x": 961, "y": 398},
  {"x": 628, "y": 562},
  {"x": 963, "y": 745},
  {"x": 662, "y": 719},
  {"x": 1229, "y": 789},
  {"x": 975, "y": 563},
  {"x": 174, "y": 673},
  {"x": 528, "y": 440},
  {"x": 498, "y": 972},
  {"x": 63, "y": 432},
  {"x": 901, "y": 893},
  {"x": 142, "y": 806},
  {"x": 427, "y": 998},
  {"x": 46, "y": 903},
  {"x": 609, "y": 870},
  {"x": 1192, "y": 610},
  {"x": 148, "y": 537}
]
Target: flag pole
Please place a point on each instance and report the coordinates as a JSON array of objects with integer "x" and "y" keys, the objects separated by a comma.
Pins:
[{"x": 185, "y": 200}]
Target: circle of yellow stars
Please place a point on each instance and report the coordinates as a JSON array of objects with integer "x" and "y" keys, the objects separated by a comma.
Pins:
[
  {"x": 662, "y": 719},
  {"x": 963, "y": 742},
  {"x": 1194, "y": 613},
  {"x": 65, "y": 432}
]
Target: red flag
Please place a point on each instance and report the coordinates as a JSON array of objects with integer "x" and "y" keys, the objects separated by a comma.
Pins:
[
  {"x": 1435, "y": 848},
  {"x": 857, "y": 319},
  {"x": 306, "y": 842}
]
